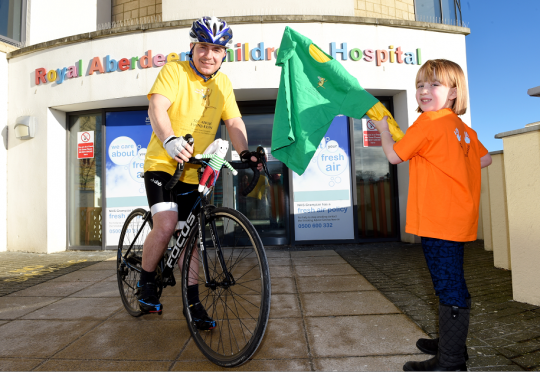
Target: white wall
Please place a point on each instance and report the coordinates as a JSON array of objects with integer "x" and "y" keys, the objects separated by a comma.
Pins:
[
  {"x": 42, "y": 159},
  {"x": 54, "y": 19},
  {"x": 56, "y": 185},
  {"x": 174, "y": 9},
  {"x": 3, "y": 151}
]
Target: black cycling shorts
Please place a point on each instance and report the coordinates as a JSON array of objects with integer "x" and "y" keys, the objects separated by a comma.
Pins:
[{"x": 183, "y": 194}]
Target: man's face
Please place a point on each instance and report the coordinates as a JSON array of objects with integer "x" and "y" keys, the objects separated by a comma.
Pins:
[{"x": 208, "y": 57}]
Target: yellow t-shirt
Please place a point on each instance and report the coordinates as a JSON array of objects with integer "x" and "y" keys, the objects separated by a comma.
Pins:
[{"x": 196, "y": 108}]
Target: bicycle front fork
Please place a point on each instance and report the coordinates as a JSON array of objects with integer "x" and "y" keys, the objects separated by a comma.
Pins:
[{"x": 228, "y": 279}]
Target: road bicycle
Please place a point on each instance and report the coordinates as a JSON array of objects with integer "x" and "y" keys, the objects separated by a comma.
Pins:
[{"x": 233, "y": 275}]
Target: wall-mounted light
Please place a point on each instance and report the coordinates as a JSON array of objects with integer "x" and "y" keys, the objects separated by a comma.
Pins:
[{"x": 25, "y": 127}]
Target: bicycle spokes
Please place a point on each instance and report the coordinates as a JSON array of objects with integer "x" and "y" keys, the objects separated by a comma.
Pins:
[
  {"x": 235, "y": 290},
  {"x": 137, "y": 230},
  {"x": 129, "y": 258}
]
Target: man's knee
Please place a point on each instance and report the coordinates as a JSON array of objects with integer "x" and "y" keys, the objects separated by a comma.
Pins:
[{"x": 164, "y": 223}]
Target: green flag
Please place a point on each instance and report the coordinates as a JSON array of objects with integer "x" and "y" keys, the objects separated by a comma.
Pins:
[{"x": 314, "y": 88}]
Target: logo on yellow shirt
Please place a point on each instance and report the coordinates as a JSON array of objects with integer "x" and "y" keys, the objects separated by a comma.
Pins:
[{"x": 205, "y": 94}]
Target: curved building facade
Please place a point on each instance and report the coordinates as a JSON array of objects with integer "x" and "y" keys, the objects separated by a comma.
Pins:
[{"x": 74, "y": 182}]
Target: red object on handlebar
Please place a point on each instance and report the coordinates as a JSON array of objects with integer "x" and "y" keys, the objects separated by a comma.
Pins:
[{"x": 261, "y": 158}]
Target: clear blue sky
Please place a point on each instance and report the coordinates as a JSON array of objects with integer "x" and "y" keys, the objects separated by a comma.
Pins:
[{"x": 503, "y": 62}]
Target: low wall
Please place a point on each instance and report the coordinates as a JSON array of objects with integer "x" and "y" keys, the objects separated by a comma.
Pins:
[
  {"x": 522, "y": 171},
  {"x": 499, "y": 214}
]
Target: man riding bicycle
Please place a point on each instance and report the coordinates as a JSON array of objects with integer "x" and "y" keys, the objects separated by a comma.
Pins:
[{"x": 187, "y": 97}]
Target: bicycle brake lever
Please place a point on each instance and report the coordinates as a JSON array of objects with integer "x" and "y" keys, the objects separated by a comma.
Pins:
[
  {"x": 180, "y": 167},
  {"x": 261, "y": 155}
]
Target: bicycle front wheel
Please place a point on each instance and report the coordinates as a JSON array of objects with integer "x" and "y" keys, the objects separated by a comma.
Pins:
[
  {"x": 129, "y": 258},
  {"x": 240, "y": 304}
]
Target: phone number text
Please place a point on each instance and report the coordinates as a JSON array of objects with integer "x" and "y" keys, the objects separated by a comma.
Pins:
[{"x": 314, "y": 225}]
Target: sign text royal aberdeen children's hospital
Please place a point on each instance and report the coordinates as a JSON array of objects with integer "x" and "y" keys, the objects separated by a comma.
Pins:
[{"x": 240, "y": 53}]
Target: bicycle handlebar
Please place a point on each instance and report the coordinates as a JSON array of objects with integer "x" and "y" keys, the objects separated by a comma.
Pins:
[{"x": 261, "y": 158}]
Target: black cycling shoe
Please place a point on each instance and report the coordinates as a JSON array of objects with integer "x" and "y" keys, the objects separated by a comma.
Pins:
[
  {"x": 200, "y": 317},
  {"x": 148, "y": 298}
]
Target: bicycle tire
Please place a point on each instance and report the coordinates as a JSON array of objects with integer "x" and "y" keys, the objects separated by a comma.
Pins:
[
  {"x": 128, "y": 270},
  {"x": 240, "y": 310}
]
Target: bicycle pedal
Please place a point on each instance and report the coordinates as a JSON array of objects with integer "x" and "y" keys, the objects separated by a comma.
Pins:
[
  {"x": 148, "y": 310},
  {"x": 157, "y": 312}
]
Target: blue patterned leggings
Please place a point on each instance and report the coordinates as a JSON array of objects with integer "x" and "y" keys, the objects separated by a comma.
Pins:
[{"x": 444, "y": 259}]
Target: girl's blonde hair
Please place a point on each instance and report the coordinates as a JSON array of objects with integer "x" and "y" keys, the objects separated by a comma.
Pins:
[{"x": 449, "y": 74}]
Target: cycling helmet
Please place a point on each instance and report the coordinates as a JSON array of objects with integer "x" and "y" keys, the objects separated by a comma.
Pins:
[{"x": 211, "y": 30}]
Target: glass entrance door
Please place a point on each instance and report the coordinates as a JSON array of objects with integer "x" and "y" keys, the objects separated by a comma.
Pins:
[
  {"x": 375, "y": 187},
  {"x": 267, "y": 205},
  {"x": 85, "y": 177}
]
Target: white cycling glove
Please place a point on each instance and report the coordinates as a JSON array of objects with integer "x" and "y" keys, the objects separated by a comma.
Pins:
[{"x": 174, "y": 145}]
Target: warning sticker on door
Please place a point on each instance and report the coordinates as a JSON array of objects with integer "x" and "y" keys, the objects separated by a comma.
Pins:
[
  {"x": 85, "y": 145},
  {"x": 372, "y": 137}
]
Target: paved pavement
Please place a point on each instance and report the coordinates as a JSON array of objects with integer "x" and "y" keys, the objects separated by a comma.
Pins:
[
  {"x": 325, "y": 315},
  {"x": 503, "y": 334},
  {"x": 20, "y": 270}
]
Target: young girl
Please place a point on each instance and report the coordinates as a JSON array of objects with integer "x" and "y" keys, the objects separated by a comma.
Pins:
[{"x": 444, "y": 194}]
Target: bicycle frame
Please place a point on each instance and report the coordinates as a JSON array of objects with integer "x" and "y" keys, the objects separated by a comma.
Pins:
[
  {"x": 186, "y": 235},
  {"x": 146, "y": 218}
]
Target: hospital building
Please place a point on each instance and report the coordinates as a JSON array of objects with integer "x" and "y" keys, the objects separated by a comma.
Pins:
[{"x": 75, "y": 127}]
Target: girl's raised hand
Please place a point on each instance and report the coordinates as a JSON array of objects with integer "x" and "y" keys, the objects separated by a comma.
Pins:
[{"x": 381, "y": 125}]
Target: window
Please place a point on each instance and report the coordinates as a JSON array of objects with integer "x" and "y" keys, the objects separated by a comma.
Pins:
[
  {"x": 12, "y": 21},
  {"x": 85, "y": 174},
  {"x": 267, "y": 204},
  {"x": 439, "y": 11},
  {"x": 375, "y": 187}
]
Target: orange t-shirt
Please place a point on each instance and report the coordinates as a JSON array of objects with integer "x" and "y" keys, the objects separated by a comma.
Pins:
[{"x": 444, "y": 176}]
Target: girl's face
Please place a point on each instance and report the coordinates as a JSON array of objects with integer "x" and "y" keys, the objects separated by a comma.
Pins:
[{"x": 434, "y": 96}]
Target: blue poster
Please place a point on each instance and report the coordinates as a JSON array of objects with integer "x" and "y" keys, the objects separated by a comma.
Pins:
[
  {"x": 127, "y": 136},
  {"x": 322, "y": 195}
]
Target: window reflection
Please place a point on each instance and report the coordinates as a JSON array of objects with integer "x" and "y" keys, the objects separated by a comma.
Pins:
[
  {"x": 428, "y": 8},
  {"x": 85, "y": 185},
  {"x": 439, "y": 11},
  {"x": 10, "y": 19},
  {"x": 375, "y": 198},
  {"x": 265, "y": 206}
]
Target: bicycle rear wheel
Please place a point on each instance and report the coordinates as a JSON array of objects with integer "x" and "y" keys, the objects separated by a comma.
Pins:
[
  {"x": 241, "y": 306},
  {"x": 129, "y": 258}
]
